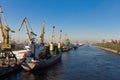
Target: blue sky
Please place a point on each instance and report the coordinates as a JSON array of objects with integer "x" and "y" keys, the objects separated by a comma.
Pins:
[{"x": 81, "y": 19}]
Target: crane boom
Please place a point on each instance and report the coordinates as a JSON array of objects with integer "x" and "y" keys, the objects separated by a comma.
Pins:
[
  {"x": 2, "y": 32},
  {"x": 42, "y": 34},
  {"x": 29, "y": 34},
  {"x": 22, "y": 24},
  {"x": 5, "y": 32},
  {"x": 3, "y": 16}
]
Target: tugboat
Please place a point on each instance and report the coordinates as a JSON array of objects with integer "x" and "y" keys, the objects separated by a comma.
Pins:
[{"x": 50, "y": 55}]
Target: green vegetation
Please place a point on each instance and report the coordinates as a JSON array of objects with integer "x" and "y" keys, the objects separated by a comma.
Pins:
[{"x": 110, "y": 46}]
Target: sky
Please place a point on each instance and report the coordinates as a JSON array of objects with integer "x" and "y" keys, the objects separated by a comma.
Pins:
[{"x": 83, "y": 20}]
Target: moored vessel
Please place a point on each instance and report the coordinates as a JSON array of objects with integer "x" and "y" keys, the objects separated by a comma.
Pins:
[{"x": 48, "y": 56}]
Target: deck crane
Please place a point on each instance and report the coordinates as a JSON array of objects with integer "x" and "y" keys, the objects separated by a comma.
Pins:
[
  {"x": 6, "y": 51},
  {"x": 67, "y": 41},
  {"x": 42, "y": 34},
  {"x": 53, "y": 35},
  {"x": 59, "y": 41},
  {"x": 65, "y": 37},
  {"x": 51, "y": 41},
  {"x": 60, "y": 36},
  {"x": 31, "y": 34}
]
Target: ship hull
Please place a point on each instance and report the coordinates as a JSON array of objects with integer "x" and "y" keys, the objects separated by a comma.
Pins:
[
  {"x": 40, "y": 64},
  {"x": 66, "y": 49}
]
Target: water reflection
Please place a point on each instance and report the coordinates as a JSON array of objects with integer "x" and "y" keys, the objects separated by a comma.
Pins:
[
  {"x": 28, "y": 76},
  {"x": 66, "y": 56}
]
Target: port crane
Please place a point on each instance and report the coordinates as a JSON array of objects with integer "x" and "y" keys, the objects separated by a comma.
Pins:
[
  {"x": 42, "y": 34},
  {"x": 6, "y": 52},
  {"x": 60, "y": 36},
  {"x": 65, "y": 37},
  {"x": 67, "y": 41},
  {"x": 59, "y": 40},
  {"x": 30, "y": 34},
  {"x": 53, "y": 35},
  {"x": 51, "y": 41}
]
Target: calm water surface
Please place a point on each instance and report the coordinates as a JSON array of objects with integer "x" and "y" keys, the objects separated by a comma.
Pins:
[{"x": 85, "y": 63}]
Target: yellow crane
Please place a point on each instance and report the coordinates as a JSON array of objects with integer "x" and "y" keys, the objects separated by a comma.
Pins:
[
  {"x": 53, "y": 35},
  {"x": 31, "y": 34},
  {"x": 2, "y": 32},
  {"x": 51, "y": 41},
  {"x": 5, "y": 46},
  {"x": 42, "y": 34},
  {"x": 5, "y": 33},
  {"x": 59, "y": 41}
]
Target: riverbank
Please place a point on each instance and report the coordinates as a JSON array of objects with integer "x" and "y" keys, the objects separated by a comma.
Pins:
[{"x": 107, "y": 49}]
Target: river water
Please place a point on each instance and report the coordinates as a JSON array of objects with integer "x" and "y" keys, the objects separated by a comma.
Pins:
[{"x": 85, "y": 63}]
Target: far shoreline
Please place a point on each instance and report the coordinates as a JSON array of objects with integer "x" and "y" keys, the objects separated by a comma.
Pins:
[{"x": 108, "y": 49}]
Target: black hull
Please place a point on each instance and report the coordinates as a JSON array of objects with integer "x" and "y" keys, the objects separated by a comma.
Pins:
[{"x": 41, "y": 64}]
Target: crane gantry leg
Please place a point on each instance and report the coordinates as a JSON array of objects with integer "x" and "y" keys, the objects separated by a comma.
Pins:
[
  {"x": 6, "y": 54},
  {"x": 7, "y": 57}
]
